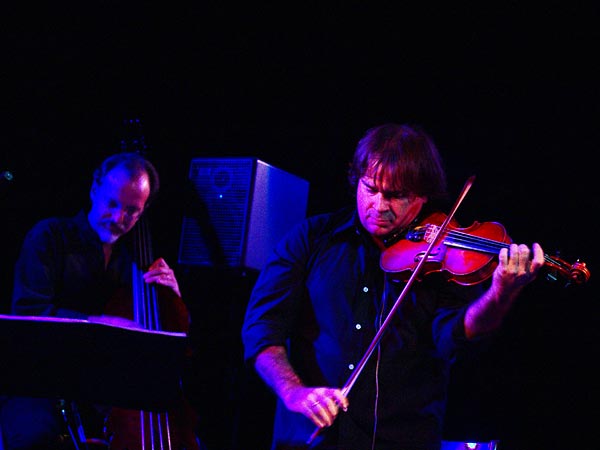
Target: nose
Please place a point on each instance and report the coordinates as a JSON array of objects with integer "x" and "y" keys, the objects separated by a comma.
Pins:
[
  {"x": 380, "y": 202},
  {"x": 118, "y": 215}
]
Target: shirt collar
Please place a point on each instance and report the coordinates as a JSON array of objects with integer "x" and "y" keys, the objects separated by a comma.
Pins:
[{"x": 349, "y": 224}]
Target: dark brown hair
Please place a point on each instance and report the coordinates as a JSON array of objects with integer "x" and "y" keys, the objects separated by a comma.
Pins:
[{"x": 404, "y": 154}]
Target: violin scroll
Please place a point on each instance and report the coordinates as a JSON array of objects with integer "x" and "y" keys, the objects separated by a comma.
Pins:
[{"x": 576, "y": 273}]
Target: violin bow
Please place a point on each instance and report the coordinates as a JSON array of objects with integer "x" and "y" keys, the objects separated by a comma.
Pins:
[{"x": 362, "y": 363}]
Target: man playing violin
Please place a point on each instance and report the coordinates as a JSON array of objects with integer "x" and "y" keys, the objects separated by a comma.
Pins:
[
  {"x": 322, "y": 297},
  {"x": 75, "y": 267}
]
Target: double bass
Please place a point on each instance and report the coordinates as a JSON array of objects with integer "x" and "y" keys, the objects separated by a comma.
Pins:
[{"x": 153, "y": 308}]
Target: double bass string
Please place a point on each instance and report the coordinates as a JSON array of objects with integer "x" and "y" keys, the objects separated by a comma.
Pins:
[
  {"x": 145, "y": 305},
  {"x": 145, "y": 299}
]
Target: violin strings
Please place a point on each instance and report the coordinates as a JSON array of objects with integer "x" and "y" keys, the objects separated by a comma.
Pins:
[
  {"x": 489, "y": 245},
  {"x": 477, "y": 243}
]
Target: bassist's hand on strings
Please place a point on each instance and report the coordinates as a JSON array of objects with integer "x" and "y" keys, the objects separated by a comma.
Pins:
[{"x": 159, "y": 272}]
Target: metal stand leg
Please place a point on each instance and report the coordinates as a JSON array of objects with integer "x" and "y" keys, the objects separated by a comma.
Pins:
[{"x": 68, "y": 416}]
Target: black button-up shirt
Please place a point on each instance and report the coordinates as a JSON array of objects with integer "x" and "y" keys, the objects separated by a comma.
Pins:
[{"x": 60, "y": 271}]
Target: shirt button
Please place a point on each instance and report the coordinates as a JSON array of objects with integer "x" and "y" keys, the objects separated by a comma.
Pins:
[
  {"x": 365, "y": 289},
  {"x": 351, "y": 366},
  {"x": 358, "y": 326}
]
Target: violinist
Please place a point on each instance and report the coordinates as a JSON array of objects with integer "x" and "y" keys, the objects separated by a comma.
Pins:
[
  {"x": 323, "y": 296},
  {"x": 73, "y": 267}
]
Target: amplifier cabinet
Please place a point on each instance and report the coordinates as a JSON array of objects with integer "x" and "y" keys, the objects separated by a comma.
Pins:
[{"x": 240, "y": 208}]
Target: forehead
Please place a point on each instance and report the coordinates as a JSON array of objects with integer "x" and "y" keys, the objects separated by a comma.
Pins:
[
  {"x": 383, "y": 176},
  {"x": 119, "y": 182}
]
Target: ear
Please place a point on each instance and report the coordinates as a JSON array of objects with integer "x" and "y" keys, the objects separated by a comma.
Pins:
[{"x": 93, "y": 190}]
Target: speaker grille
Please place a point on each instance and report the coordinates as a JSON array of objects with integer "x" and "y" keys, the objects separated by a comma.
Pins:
[
  {"x": 240, "y": 208},
  {"x": 213, "y": 231}
]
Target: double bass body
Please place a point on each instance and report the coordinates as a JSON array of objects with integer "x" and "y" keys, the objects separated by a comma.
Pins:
[{"x": 154, "y": 308}]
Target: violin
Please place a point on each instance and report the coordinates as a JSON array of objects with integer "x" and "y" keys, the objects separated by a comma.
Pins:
[{"x": 463, "y": 255}]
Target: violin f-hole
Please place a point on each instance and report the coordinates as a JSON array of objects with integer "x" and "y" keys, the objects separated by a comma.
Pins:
[{"x": 435, "y": 256}]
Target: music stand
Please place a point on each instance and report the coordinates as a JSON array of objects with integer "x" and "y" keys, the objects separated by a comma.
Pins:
[{"x": 80, "y": 360}]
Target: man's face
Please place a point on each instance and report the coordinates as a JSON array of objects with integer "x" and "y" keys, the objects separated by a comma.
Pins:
[
  {"x": 117, "y": 203},
  {"x": 382, "y": 210}
]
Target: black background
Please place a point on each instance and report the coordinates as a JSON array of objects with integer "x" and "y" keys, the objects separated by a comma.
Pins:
[{"x": 508, "y": 91}]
